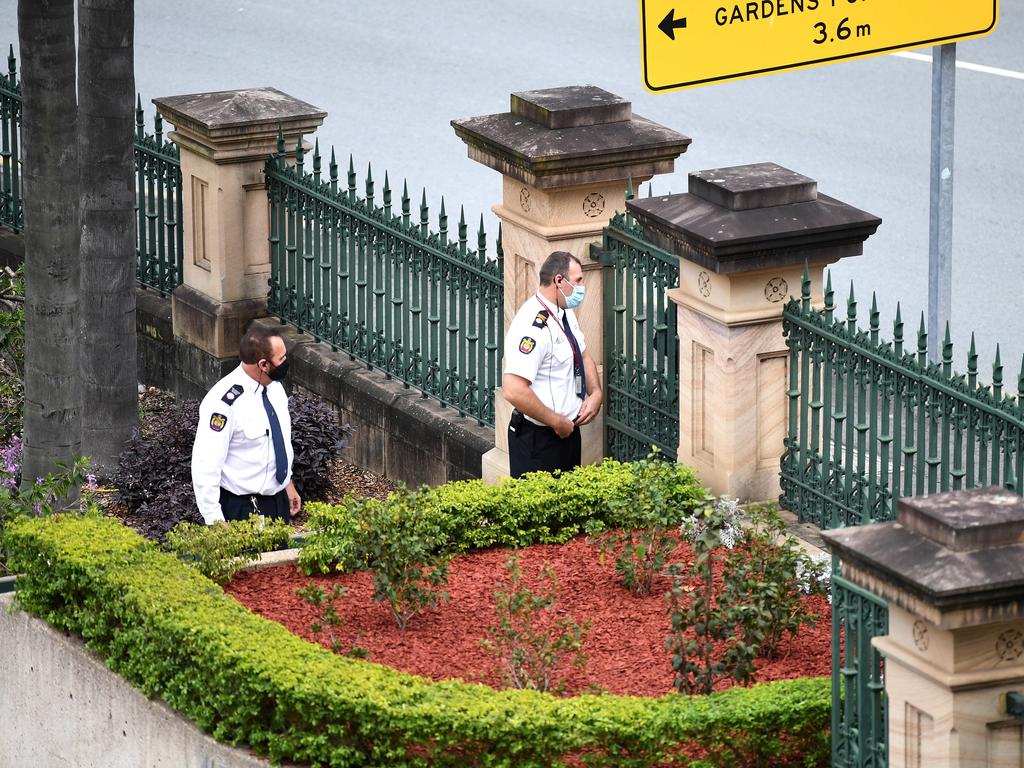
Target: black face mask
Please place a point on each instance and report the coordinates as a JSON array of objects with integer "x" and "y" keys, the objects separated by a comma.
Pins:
[{"x": 278, "y": 372}]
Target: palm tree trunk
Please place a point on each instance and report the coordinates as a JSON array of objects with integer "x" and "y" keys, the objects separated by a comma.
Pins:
[
  {"x": 46, "y": 36},
  {"x": 106, "y": 122}
]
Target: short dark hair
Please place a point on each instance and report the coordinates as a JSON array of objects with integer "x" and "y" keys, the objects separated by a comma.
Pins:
[
  {"x": 255, "y": 344},
  {"x": 556, "y": 264}
]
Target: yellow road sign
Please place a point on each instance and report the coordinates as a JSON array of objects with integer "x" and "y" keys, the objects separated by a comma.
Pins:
[{"x": 695, "y": 42}]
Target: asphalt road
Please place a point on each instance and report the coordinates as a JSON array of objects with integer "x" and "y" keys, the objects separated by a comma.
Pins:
[{"x": 392, "y": 75}]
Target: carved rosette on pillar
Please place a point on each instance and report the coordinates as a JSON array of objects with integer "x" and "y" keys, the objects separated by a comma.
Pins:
[
  {"x": 952, "y": 569},
  {"x": 743, "y": 235},
  {"x": 225, "y": 138},
  {"x": 566, "y": 156}
]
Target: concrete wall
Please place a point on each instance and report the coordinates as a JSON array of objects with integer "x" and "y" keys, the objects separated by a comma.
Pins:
[
  {"x": 62, "y": 708},
  {"x": 398, "y": 432}
]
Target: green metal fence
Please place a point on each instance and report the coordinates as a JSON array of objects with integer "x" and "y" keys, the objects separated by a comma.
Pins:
[
  {"x": 159, "y": 246},
  {"x": 859, "y": 715},
  {"x": 10, "y": 146},
  {"x": 377, "y": 283},
  {"x": 870, "y": 422},
  {"x": 641, "y": 343}
]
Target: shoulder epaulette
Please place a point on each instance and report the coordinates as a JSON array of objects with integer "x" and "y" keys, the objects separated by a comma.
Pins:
[
  {"x": 232, "y": 394},
  {"x": 541, "y": 320}
]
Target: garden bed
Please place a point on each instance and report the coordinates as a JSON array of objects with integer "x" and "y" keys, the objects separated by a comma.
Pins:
[{"x": 624, "y": 647}]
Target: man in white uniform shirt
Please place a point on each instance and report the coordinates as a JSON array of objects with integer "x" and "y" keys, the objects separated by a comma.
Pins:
[
  {"x": 242, "y": 456},
  {"x": 550, "y": 379}
]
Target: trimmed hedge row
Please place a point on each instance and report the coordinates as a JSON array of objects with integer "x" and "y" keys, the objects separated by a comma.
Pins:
[
  {"x": 539, "y": 508},
  {"x": 177, "y": 636}
]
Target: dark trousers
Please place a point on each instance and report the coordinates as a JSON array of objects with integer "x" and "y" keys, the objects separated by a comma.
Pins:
[
  {"x": 241, "y": 507},
  {"x": 533, "y": 448}
]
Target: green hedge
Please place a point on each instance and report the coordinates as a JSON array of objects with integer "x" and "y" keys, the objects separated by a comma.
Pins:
[
  {"x": 177, "y": 636},
  {"x": 539, "y": 508}
]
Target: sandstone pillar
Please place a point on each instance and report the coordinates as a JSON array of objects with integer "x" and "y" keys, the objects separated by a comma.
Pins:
[
  {"x": 566, "y": 156},
  {"x": 952, "y": 569},
  {"x": 743, "y": 236},
  {"x": 224, "y": 140}
]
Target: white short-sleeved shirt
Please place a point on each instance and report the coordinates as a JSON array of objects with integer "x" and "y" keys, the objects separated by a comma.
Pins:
[
  {"x": 537, "y": 348},
  {"x": 234, "y": 449}
]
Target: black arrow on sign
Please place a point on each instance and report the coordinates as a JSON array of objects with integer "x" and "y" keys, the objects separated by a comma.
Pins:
[{"x": 670, "y": 24}]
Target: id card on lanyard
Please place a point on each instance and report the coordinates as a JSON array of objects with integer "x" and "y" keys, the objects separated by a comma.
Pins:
[{"x": 579, "y": 377}]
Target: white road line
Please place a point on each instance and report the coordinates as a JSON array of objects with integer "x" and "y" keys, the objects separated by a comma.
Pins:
[{"x": 964, "y": 65}]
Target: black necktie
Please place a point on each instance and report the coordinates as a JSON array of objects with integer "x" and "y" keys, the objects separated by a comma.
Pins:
[
  {"x": 280, "y": 456},
  {"x": 577, "y": 356}
]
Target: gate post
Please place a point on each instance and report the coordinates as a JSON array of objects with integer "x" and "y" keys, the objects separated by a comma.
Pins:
[
  {"x": 224, "y": 140},
  {"x": 566, "y": 156},
  {"x": 743, "y": 236},
  {"x": 952, "y": 569}
]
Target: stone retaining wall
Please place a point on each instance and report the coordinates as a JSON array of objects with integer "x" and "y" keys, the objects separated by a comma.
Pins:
[{"x": 64, "y": 709}]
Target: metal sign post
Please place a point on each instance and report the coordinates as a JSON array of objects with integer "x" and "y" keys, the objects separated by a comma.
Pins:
[{"x": 940, "y": 228}]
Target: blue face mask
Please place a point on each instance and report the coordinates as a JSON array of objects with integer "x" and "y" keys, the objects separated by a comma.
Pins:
[{"x": 575, "y": 298}]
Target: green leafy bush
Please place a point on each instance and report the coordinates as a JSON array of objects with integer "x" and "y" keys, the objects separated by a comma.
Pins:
[
  {"x": 703, "y": 622},
  {"x": 398, "y": 544},
  {"x": 532, "y": 645},
  {"x": 220, "y": 551},
  {"x": 538, "y": 508},
  {"x": 765, "y": 577},
  {"x": 154, "y": 474},
  {"x": 642, "y": 540},
  {"x": 245, "y": 680}
]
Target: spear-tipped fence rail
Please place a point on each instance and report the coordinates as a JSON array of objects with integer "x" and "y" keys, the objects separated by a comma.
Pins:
[
  {"x": 159, "y": 246},
  {"x": 377, "y": 283},
  {"x": 10, "y": 145},
  {"x": 871, "y": 421},
  {"x": 642, "y": 342}
]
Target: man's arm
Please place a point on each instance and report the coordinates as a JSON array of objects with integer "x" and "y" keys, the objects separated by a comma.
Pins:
[
  {"x": 592, "y": 404},
  {"x": 213, "y": 435},
  {"x": 517, "y": 391}
]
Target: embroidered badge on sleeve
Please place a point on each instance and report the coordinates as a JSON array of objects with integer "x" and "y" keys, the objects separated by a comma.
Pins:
[
  {"x": 217, "y": 422},
  {"x": 526, "y": 345}
]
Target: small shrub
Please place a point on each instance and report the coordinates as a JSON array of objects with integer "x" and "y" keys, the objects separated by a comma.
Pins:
[
  {"x": 220, "y": 551},
  {"x": 713, "y": 621},
  {"x": 643, "y": 541},
  {"x": 403, "y": 549},
  {"x": 327, "y": 614},
  {"x": 154, "y": 475},
  {"x": 533, "y": 647},
  {"x": 766, "y": 576}
]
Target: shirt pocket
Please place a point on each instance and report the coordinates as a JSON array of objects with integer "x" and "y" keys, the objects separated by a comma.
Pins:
[
  {"x": 255, "y": 425},
  {"x": 562, "y": 351}
]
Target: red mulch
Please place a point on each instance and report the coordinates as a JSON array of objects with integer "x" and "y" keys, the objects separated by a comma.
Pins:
[{"x": 624, "y": 647}]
